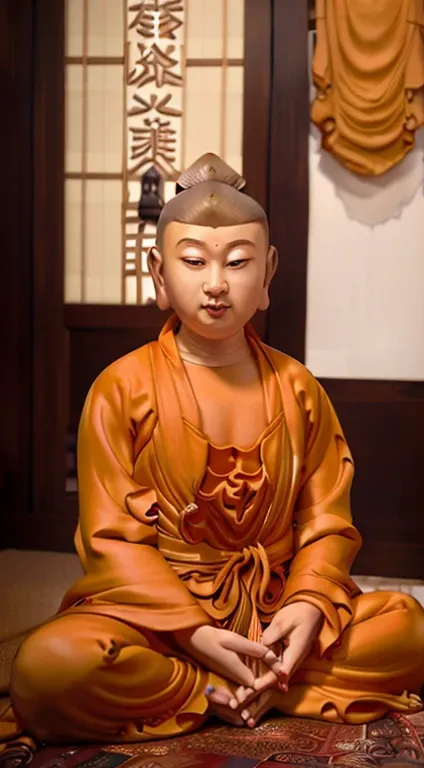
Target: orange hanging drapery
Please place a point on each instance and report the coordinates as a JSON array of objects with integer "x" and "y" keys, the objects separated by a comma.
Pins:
[{"x": 368, "y": 68}]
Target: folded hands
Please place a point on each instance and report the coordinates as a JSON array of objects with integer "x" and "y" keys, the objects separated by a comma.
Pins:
[{"x": 261, "y": 669}]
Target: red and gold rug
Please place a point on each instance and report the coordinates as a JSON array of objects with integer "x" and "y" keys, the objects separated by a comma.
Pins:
[{"x": 395, "y": 740}]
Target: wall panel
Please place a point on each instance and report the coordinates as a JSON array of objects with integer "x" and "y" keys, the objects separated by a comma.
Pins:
[
  {"x": 383, "y": 422},
  {"x": 16, "y": 59}
]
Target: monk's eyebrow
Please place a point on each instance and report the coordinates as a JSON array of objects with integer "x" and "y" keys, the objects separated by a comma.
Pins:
[
  {"x": 240, "y": 242},
  {"x": 202, "y": 244},
  {"x": 191, "y": 241}
]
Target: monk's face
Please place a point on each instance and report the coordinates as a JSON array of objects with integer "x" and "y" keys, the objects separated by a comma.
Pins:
[{"x": 215, "y": 279}]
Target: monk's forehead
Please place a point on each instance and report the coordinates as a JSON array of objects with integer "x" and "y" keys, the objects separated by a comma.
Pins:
[{"x": 253, "y": 231}]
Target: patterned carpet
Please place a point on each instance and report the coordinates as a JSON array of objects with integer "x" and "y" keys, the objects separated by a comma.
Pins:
[{"x": 395, "y": 740}]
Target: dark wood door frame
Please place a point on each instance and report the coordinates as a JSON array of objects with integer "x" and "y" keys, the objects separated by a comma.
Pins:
[
  {"x": 33, "y": 428},
  {"x": 288, "y": 192},
  {"x": 16, "y": 61},
  {"x": 49, "y": 361},
  {"x": 276, "y": 153},
  {"x": 257, "y": 95}
]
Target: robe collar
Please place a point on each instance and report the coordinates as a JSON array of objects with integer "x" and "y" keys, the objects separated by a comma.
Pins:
[
  {"x": 181, "y": 452},
  {"x": 189, "y": 406}
]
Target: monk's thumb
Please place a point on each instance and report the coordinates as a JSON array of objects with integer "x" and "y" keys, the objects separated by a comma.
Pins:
[
  {"x": 272, "y": 634},
  {"x": 294, "y": 653},
  {"x": 290, "y": 660}
]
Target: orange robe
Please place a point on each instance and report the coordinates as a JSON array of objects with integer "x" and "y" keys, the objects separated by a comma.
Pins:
[{"x": 176, "y": 532}]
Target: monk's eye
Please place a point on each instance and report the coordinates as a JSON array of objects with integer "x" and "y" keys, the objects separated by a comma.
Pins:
[
  {"x": 193, "y": 262},
  {"x": 237, "y": 263}
]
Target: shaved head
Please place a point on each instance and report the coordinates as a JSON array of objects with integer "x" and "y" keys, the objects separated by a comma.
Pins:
[{"x": 210, "y": 197}]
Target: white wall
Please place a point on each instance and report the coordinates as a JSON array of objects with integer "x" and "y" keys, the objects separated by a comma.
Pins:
[{"x": 365, "y": 289}]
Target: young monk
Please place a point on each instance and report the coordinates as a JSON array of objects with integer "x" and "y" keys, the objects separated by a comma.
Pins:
[{"x": 215, "y": 530}]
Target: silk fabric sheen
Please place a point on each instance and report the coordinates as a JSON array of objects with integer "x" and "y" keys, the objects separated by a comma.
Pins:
[{"x": 165, "y": 545}]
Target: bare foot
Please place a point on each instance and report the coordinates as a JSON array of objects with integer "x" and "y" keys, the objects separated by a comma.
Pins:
[
  {"x": 253, "y": 703},
  {"x": 244, "y": 707},
  {"x": 219, "y": 705},
  {"x": 408, "y": 701},
  {"x": 415, "y": 701},
  {"x": 261, "y": 705}
]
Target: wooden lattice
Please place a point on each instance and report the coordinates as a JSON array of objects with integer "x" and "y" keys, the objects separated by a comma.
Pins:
[{"x": 157, "y": 130}]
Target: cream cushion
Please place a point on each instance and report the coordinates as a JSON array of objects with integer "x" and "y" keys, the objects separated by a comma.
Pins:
[{"x": 32, "y": 585}]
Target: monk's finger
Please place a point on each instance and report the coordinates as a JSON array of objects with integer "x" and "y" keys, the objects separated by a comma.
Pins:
[
  {"x": 226, "y": 664},
  {"x": 273, "y": 661},
  {"x": 226, "y": 661},
  {"x": 257, "y": 650},
  {"x": 277, "y": 631},
  {"x": 240, "y": 644},
  {"x": 257, "y": 709},
  {"x": 218, "y": 695},
  {"x": 219, "y": 700},
  {"x": 235, "y": 669},
  {"x": 240, "y": 696},
  {"x": 295, "y": 652},
  {"x": 265, "y": 681}
]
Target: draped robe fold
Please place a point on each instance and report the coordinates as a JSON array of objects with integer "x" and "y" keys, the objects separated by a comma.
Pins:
[
  {"x": 157, "y": 560},
  {"x": 181, "y": 581},
  {"x": 368, "y": 68}
]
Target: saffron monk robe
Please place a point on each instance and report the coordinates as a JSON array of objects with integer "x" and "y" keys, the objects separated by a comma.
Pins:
[{"x": 215, "y": 529}]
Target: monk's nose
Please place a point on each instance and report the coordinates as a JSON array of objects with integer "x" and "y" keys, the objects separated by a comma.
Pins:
[{"x": 215, "y": 284}]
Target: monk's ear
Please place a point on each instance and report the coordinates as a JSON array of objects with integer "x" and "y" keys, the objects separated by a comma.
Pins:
[
  {"x": 155, "y": 265},
  {"x": 271, "y": 268}
]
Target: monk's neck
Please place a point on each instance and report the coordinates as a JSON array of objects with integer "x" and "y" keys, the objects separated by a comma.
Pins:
[{"x": 212, "y": 352}]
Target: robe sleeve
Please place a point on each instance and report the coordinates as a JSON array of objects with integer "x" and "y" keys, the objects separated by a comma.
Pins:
[
  {"x": 326, "y": 542},
  {"x": 125, "y": 574}
]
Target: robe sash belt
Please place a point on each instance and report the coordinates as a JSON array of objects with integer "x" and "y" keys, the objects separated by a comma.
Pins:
[{"x": 229, "y": 584}]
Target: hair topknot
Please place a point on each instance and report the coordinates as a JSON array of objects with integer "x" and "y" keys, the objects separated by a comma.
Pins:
[
  {"x": 209, "y": 194},
  {"x": 210, "y": 167}
]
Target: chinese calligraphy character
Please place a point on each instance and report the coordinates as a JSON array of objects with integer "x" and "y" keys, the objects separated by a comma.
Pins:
[
  {"x": 154, "y": 143},
  {"x": 156, "y": 18},
  {"x": 156, "y": 66},
  {"x": 160, "y": 105}
]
